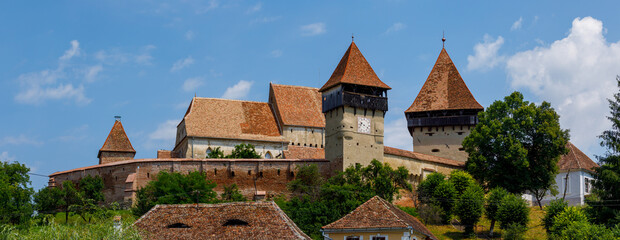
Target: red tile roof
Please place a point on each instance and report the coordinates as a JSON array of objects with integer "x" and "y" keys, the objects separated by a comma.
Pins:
[
  {"x": 297, "y": 106},
  {"x": 378, "y": 213},
  {"x": 421, "y": 156},
  {"x": 298, "y": 152},
  {"x": 576, "y": 159},
  {"x": 354, "y": 69},
  {"x": 117, "y": 140},
  {"x": 231, "y": 119},
  {"x": 444, "y": 89},
  {"x": 263, "y": 220}
]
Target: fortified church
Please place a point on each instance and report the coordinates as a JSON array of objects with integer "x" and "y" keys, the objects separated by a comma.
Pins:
[{"x": 335, "y": 126}]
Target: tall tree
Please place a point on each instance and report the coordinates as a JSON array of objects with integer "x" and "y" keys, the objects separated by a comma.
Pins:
[
  {"x": 469, "y": 208},
  {"x": 607, "y": 184},
  {"x": 15, "y": 194},
  {"x": 516, "y": 145},
  {"x": 70, "y": 197},
  {"x": 493, "y": 201}
]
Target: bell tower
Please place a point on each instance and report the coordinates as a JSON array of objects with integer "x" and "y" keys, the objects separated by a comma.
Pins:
[
  {"x": 443, "y": 113},
  {"x": 354, "y": 103}
]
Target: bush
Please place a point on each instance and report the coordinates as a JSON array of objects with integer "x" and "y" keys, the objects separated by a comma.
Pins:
[
  {"x": 515, "y": 231},
  {"x": 554, "y": 208},
  {"x": 231, "y": 194},
  {"x": 469, "y": 207},
  {"x": 513, "y": 210},
  {"x": 409, "y": 210},
  {"x": 585, "y": 230},
  {"x": 493, "y": 201},
  {"x": 567, "y": 217},
  {"x": 426, "y": 188},
  {"x": 444, "y": 197},
  {"x": 430, "y": 214}
]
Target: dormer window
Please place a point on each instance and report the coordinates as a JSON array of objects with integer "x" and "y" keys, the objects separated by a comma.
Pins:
[
  {"x": 178, "y": 225},
  {"x": 235, "y": 222}
]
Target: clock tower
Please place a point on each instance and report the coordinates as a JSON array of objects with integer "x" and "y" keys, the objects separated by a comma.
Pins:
[{"x": 354, "y": 104}]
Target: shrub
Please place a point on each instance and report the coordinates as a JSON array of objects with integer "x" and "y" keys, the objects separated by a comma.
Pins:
[
  {"x": 586, "y": 230},
  {"x": 409, "y": 210},
  {"x": 567, "y": 217},
  {"x": 553, "y": 209},
  {"x": 461, "y": 180},
  {"x": 444, "y": 197},
  {"x": 430, "y": 214},
  {"x": 469, "y": 207},
  {"x": 494, "y": 199},
  {"x": 512, "y": 210},
  {"x": 231, "y": 194},
  {"x": 515, "y": 231},
  {"x": 426, "y": 188}
]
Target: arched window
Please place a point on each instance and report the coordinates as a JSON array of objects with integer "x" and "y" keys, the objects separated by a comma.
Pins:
[{"x": 268, "y": 155}]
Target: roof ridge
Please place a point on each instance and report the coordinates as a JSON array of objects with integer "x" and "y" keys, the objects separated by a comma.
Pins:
[
  {"x": 574, "y": 155},
  {"x": 385, "y": 204},
  {"x": 295, "y": 86},
  {"x": 226, "y": 99},
  {"x": 296, "y": 230}
]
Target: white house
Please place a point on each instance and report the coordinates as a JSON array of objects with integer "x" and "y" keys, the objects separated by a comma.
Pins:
[{"x": 574, "y": 180}]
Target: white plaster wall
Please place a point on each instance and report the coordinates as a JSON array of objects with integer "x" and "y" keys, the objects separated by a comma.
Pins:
[
  {"x": 197, "y": 147},
  {"x": 304, "y": 136},
  {"x": 575, "y": 191}
]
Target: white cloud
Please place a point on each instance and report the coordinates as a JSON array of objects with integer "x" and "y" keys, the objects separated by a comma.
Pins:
[
  {"x": 5, "y": 157},
  {"x": 517, "y": 25},
  {"x": 182, "y": 63},
  {"x": 92, "y": 72},
  {"x": 485, "y": 54},
  {"x": 255, "y": 8},
  {"x": 189, "y": 35},
  {"x": 265, "y": 20},
  {"x": 276, "y": 53},
  {"x": 72, "y": 52},
  {"x": 165, "y": 131},
  {"x": 576, "y": 74},
  {"x": 313, "y": 29},
  {"x": 212, "y": 4},
  {"x": 191, "y": 84},
  {"x": 239, "y": 90},
  {"x": 116, "y": 56},
  {"x": 396, "y": 27},
  {"x": 19, "y": 140},
  {"x": 145, "y": 57},
  {"x": 37, "y": 94},
  {"x": 397, "y": 135}
]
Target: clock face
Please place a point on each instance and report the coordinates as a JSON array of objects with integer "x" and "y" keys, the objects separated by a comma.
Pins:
[{"x": 363, "y": 125}]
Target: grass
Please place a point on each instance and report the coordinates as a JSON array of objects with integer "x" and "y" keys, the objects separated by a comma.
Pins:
[{"x": 535, "y": 228}]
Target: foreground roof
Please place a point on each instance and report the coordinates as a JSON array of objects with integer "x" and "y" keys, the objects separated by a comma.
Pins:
[
  {"x": 298, "y": 106},
  {"x": 576, "y": 159},
  {"x": 117, "y": 140},
  {"x": 231, "y": 119},
  {"x": 378, "y": 213},
  {"x": 354, "y": 69},
  {"x": 298, "y": 152},
  {"x": 444, "y": 89},
  {"x": 422, "y": 156},
  {"x": 240, "y": 220}
]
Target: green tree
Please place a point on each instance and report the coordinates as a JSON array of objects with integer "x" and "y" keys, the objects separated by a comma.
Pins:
[
  {"x": 516, "y": 145},
  {"x": 69, "y": 199},
  {"x": 216, "y": 153},
  {"x": 513, "y": 210},
  {"x": 461, "y": 180},
  {"x": 231, "y": 194},
  {"x": 244, "y": 151},
  {"x": 91, "y": 195},
  {"x": 493, "y": 201},
  {"x": 469, "y": 208},
  {"x": 174, "y": 188},
  {"x": 15, "y": 195},
  {"x": 307, "y": 182},
  {"x": 427, "y": 187},
  {"x": 554, "y": 208},
  {"x": 445, "y": 197},
  {"x": 607, "y": 176},
  {"x": 46, "y": 200}
]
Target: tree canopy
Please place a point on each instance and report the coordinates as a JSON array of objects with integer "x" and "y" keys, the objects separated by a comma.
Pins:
[
  {"x": 15, "y": 194},
  {"x": 516, "y": 145}
]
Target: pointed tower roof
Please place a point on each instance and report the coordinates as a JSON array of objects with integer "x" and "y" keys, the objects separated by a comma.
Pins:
[
  {"x": 378, "y": 213},
  {"x": 117, "y": 140},
  {"x": 444, "y": 89},
  {"x": 354, "y": 69}
]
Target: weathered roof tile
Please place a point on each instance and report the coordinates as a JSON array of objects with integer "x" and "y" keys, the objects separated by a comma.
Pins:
[
  {"x": 117, "y": 140},
  {"x": 297, "y": 106}
]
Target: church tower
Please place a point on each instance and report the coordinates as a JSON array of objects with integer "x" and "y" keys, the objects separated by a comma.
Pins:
[
  {"x": 117, "y": 146},
  {"x": 354, "y": 103},
  {"x": 443, "y": 113}
]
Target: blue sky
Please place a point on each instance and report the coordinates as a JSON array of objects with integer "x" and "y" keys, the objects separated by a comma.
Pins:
[{"x": 68, "y": 67}]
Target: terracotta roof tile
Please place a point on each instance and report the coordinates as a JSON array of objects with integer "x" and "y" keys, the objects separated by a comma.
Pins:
[
  {"x": 117, "y": 140},
  {"x": 298, "y": 106},
  {"x": 233, "y": 119},
  {"x": 354, "y": 69},
  {"x": 421, "y": 156},
  {"x": 297, "y": 152},
  {"x": 444, "y": 89},
  {"x": 576, "y": 159},
  {"x": 263, "y": 220},
  {"x": 378, "y": 213}
]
